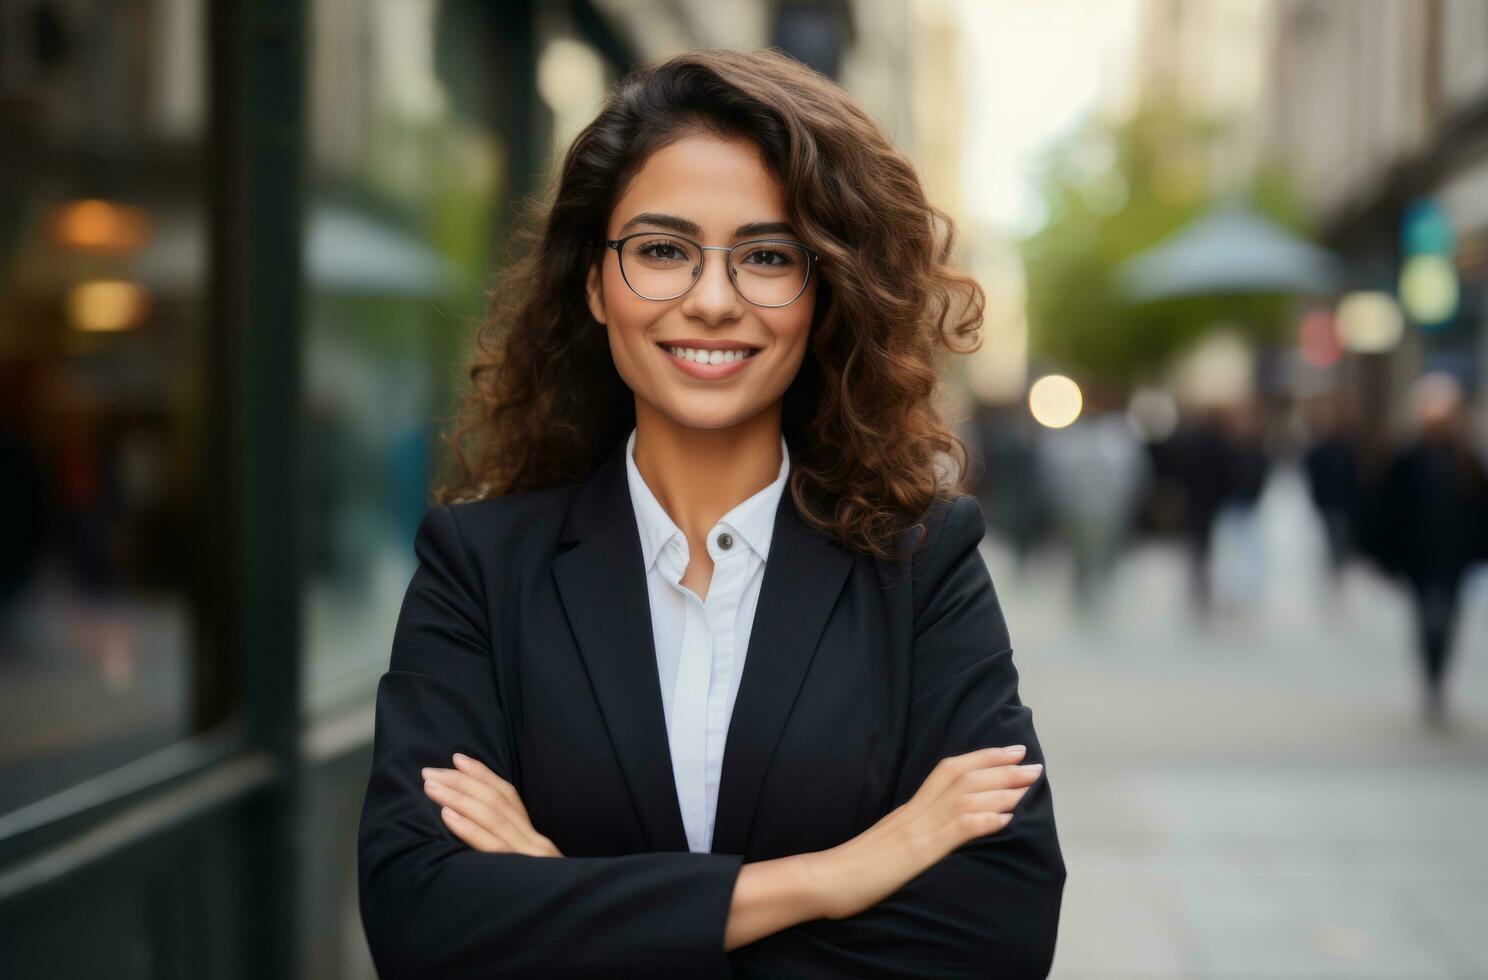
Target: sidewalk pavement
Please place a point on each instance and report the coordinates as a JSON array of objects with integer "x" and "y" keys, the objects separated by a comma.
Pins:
[{"x": 1256, "y": 796}]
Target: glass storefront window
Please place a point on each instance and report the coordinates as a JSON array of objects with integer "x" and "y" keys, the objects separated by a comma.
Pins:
[
  {"x": 103, "y": 279},
  {"x": 405, "y": 189}
]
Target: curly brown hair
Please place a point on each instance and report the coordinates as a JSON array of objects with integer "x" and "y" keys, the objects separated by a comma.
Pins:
[{"x": 868, "y": 445}]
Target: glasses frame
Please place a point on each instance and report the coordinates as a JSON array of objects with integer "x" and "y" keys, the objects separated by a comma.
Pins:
[{"x": 619, "y": 243}]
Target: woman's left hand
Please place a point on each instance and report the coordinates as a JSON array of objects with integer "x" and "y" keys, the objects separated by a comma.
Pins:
[{"x": 484, "y": 810}]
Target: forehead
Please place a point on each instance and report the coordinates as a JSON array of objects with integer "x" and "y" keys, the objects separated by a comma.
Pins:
[{"x": 717, "y": 182}]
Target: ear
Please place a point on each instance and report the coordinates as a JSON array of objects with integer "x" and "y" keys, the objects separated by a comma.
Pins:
[{"x": 594, "y": 289}]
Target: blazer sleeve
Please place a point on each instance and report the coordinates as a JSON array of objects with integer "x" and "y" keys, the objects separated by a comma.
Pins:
[
  {"x": 432, "y": 905},
  {"x": 991, "y": 907}
]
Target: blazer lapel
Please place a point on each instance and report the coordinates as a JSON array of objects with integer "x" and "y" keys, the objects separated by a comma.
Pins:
[
  {"x": 803, "y": 577},
  {"x": 603, "y": 586},
  {"x": 602, "y": 583}
]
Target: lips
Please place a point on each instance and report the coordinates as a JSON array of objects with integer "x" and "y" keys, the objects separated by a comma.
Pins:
[{"x": 692, "y": 364}]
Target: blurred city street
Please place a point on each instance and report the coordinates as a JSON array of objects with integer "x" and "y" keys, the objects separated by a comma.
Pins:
[
  {"x": 1256, "y": 797},
  {"x": 1202, "y": 288}
]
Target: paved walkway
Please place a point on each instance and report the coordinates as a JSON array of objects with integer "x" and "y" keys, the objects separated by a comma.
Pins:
[{"x": 1256, "y": 797}]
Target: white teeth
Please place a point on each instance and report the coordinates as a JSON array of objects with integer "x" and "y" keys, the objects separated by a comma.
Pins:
[{"x": 710, "y": 357}]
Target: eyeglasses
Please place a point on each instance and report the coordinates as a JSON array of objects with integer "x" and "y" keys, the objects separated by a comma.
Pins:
[{"x": 765, "y": 272}]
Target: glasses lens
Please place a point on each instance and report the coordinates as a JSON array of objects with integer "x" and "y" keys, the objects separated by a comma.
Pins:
[
  {"x": 769, "y": 273},
  {"x": 659, "y": 266},
  {"x": 766, "y": 273}
]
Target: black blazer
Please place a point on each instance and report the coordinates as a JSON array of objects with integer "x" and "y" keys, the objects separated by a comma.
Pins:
[{"x": 525, "y": 641}]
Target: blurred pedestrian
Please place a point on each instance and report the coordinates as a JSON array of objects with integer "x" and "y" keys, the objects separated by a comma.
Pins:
[
  {"x": 1198, "y": 460},
  {"x": 1241, "y": 552},
  {"x": 1007, "y": 481},
  {"x": 1332, "y": 465},
  {"x": 1094, "y": 472},
  {"x": 1426, "y": 522}
]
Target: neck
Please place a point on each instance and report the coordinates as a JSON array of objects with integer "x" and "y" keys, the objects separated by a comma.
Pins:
[{"x": 698, "y": 475}]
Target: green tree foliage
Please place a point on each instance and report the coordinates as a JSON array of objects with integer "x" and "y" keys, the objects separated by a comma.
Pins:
[{"x": 1109, "y": 193}]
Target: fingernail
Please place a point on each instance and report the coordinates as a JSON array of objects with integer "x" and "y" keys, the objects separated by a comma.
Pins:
[
  {"x": 425, "y": 772},
  {"x": 1015, "y": 749},
  {"x": 461, "y": 758},
  {"x": 1032, "y": 767}
]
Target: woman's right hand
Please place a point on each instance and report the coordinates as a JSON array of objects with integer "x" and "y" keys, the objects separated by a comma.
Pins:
[{"x": 965, "y": 796}]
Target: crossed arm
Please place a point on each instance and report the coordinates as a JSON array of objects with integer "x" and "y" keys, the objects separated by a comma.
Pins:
[
  {"x": 964, "y": 797},
  {"x": 469, "y": 886},
  {"x": 485, "y": 811}
]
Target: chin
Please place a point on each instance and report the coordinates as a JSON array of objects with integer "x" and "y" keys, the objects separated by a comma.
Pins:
[
  {"x": 708, "y": 420},
  {"x": 702, "y": 413}
]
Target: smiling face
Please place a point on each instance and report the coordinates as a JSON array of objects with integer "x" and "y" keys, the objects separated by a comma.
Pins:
[{"x": 715, "y": 191}]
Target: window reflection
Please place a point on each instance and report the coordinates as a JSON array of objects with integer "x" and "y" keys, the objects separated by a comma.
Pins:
[
  {"x": 102, "y": 284},
  {"x": 398, "y": 229}
]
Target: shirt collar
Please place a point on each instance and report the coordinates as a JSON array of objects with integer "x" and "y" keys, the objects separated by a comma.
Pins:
[{"x": 752, "y": 519}]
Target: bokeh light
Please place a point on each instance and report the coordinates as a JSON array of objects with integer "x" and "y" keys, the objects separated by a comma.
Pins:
[
  {"x": 98, "y": 225},
  {"x": 570, "y": 75},
  {"x": 1369, "y": 322},
  {"x": 1428, "y": 289},
  {"x": 106, "y": 304},
  {"x": 1055, "y": 401},
  {"x": 1317, "y": 339},
  {"x": 1152, "y": 414}
]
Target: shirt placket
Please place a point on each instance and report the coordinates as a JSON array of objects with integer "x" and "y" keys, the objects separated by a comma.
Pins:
[
  {"x": 723, "y": 599},
  {"x": 689, "y": 705}
]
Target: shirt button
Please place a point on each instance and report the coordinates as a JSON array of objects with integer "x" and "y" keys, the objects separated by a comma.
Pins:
[{"x": 725, "y": 541}]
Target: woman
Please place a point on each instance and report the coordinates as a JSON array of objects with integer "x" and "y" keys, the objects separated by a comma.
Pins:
[{"x": 700, "y": 673}]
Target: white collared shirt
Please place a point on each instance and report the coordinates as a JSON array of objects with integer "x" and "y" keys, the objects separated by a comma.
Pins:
[{"x": 701, "y": 643}]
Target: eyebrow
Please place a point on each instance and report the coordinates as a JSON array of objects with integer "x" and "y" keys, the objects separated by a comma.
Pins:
[{"x": 684, "y": 227}]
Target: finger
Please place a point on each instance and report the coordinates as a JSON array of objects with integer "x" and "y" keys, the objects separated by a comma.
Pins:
[
  {"x": 472, "y": 833},
  {"x": 472, "y": 809},
  {"x": 478, "y": 811},
  {"x": 962, "y": 827},
  {"x": 968, "y": 826},
  {"x": 994, "y": 800},
  {"x": 515, "y": 816},
  {"x": 999, "y": 777},
  {"x": 987, "y": 777},
  {"x": 469, "y": 785},
  {"x": 947, "y": 769},
  {"x": 482, "y": 772},
  {"x": 492, "y": 785}
]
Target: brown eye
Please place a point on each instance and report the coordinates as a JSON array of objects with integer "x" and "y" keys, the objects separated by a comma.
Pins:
[
  {"x": 662, "y": 250},
  {"x": 768, "y": 257}
]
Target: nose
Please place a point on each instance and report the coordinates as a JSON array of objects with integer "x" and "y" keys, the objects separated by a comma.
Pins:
[{"x": 713, "y": 298}]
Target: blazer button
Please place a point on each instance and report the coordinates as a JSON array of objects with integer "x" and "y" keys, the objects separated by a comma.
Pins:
[{"x": 725, "y": 541}]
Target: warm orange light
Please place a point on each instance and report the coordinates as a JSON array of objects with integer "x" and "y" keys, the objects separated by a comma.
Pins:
[
  {"x": 103, "y": 226},
  {"x": 106, "y": 304}
]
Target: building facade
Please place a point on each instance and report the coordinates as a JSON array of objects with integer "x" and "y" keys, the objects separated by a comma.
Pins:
[{"x": 1381, "y": 108}]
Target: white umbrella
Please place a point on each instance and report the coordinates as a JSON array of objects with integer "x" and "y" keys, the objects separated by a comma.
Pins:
[{"x": 1229, "y": 249}]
